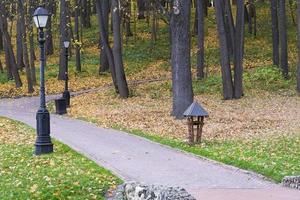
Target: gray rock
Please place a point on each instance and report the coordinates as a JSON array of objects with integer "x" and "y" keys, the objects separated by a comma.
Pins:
[
  {"x": 139, "y": 191},
  {"x": 291, "y": 182}
]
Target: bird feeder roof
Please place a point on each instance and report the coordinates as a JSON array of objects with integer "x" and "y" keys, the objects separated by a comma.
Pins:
[{"x": 195, "y": 110}]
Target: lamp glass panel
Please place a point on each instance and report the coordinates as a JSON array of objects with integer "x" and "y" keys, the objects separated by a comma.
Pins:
[
  {"x": 36, "y": 21},
  {"x": 42, "y": 21},
  {"x": 66, "y": 44}
]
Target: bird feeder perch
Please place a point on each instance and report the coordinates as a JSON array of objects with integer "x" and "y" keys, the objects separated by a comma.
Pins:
[{"x": 195, "y": 115}]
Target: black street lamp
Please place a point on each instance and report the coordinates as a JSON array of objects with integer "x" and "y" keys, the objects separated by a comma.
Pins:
[
  {"x": 43, "y": 142},
  {"x": 66, "y": 94}
]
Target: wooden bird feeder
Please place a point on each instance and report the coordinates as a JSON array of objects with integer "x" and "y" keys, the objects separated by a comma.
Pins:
[{"x": 195, "y": 115}]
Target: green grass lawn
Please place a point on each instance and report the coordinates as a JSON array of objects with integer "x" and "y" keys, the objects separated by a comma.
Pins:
[
  {"x": 273, "y": 157},
  {"x": 64, "y": 174}
]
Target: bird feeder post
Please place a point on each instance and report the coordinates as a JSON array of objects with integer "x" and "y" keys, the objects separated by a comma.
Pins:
[
  {"x": 199, "y": 129},
  {"x": 191, "y": 131},
  {"x": 195, "y": 111}
]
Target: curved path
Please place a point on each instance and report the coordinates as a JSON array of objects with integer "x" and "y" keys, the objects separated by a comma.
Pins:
[{"x": 134, "y": 158}]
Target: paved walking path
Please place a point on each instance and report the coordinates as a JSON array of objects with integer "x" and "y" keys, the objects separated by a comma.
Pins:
[{"x": 134, "y": 158}]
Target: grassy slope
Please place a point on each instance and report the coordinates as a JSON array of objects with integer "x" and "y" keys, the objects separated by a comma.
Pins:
[{"x": 63, "y": 174}]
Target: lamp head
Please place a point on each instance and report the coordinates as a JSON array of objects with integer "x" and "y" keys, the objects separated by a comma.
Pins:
[
  {"x": 40, "y": 17},
  {"x": 66, "y": 44}
]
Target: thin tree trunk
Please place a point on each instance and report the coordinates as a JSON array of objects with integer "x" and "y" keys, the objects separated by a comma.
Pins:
[
  {"x": 20, "y": 59},
  {"x": 1, "y": 42},
  {"x": 31, "y": 43},
  {"x": 49, "y": 47},
  {"x": 229, "y": 27},
  {"x": 105, "y": 43},
  {"x": 85, "y": 18},
  {"x": 283, "y": 38},
  {"x": 77, "y": 39},
  {"x": 1, "y": 67},
  {"x": 104, "y": 64},
  {"x": 298, "y": 70},
  {"x": 181, "y": 61},
  {"x": 200, "y": 32},
  {"x": 21, "y": 10},
  {"x": 239, "y": 50},
  {"x": 9, "y": 52},
  {"x": 7, "y": 61},
  {"x": 63, "y": 37},
  {"x": 225, "y": 62},
  {"x": 117, "y": 51},
  {"x": 275, "y": 32}
]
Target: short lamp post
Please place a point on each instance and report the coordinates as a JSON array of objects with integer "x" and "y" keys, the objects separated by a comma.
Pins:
[
  {"x": 66, "y": 93},
  {"x": 43, "y": 144}
]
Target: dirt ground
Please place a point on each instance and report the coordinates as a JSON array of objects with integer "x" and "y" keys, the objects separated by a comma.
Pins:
[{"x": 258, "y": 114}]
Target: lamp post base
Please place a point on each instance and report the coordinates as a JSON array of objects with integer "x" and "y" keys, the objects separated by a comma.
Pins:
[
  {"x": 67, "y": 96},
  {"x": 43, "y": 144},
  {"x": 41, "y": 149}
]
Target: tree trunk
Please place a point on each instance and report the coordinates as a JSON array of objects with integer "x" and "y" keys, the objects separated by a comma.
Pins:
[
  {"x": 85, "y": 17},
  {"x": 21, "y": 11},
  {"x": 31, "y": 43},
  {"x": 283, "y": 38},
  {"x": 1, "y": 42},
  {"x": 225, "y": 62},
  {"x": 63, "y": 37},
  {"x": 104, "y": 65},
  {"x": 105, "y": 43},
  {"x": 298, "y": 70},
  {"x": 275, "y": 32},
  {"x": 7, "y": 61},
  {"x": 117, "y": 51},
  {"x": 1, "y": 67},
  {"x": 127, "y": 17},
  {"x": 229, "y": 27},
  {"x": 181, "y": 61},
  {"x": 77, "y": 38},
  {"x": 239, "y": 50},
  {"x": 141, "y": 9},
  {"x": 49, "y": 47},
  {"x": 20, "y": 60},
  {"x": 9, "y": 49},
  {"x": 200, "y": 32}
]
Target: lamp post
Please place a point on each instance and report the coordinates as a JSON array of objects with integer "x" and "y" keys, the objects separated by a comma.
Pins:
[
  {"x": 43, "y": 142},
  {"x": 66, "y": 93}
]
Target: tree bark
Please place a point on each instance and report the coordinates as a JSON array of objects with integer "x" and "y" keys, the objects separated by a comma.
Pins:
[
  {"x": 1, "y": 67},
  {"x": 49, "y": 47},
  {"x": 117, "y": 51},
  {"x": 85, "y": 16},
  {"x": 7, "y": 62},
  {"x": 77, "y": 38},
  {"x": 298, "y": 68},
  {"x": 20, "y": 59},
  {"x": 10, "y": 57},
  {"x": 225, "y": 61},
  {"x": 283, "y": 38},
  {"x": 239, "y": 49},
  {"x": 1, "y": 42},
  {"x": 275, "y": 32},
  {"x": 63, "y": 37},
  {"x": 21, "y": 11},
  {"x": 200, "y": 32},
  {"x": 181, "y": 64},
  {"x": 104, "y": 64},
  {"x": 105, "y": 43},
  {"x": 31, "y": 43}
]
